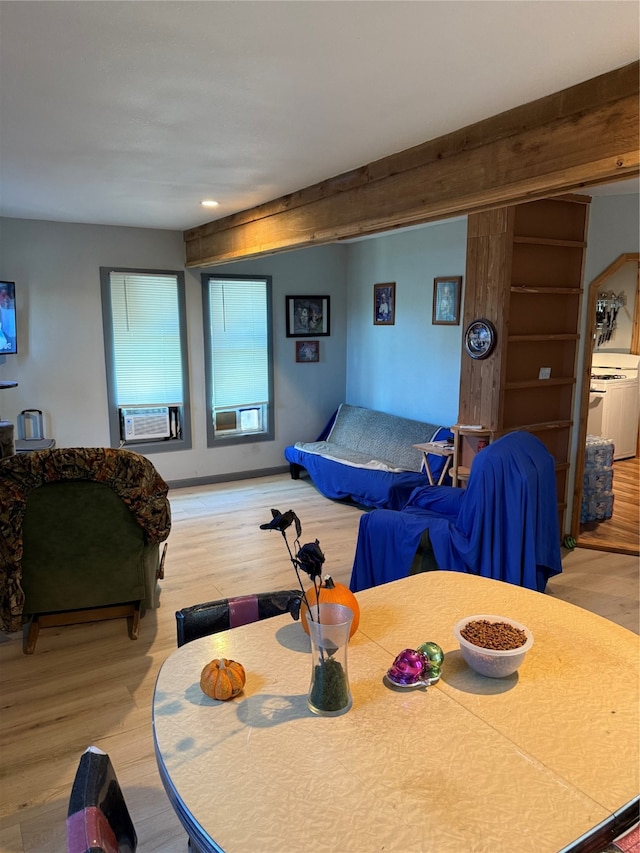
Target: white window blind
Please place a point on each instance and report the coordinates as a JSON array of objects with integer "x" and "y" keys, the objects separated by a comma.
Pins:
[
  {"x": 146, "y": 339},
  {"x": 238, "y": 319}
]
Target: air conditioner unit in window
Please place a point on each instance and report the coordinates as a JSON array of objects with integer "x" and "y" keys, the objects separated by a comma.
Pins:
[{"x": 144, "y": 423}]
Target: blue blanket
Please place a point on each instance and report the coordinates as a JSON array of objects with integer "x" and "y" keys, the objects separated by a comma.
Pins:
[
  {"x": 504, "y": 525},
  {"x": 366, "y": 486},
  {"x": 369, "y": 457}
]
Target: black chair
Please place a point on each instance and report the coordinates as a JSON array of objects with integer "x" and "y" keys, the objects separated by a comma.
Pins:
[
  {"x": 200, "y": 620},
  {"x": 98, "y": 820}
]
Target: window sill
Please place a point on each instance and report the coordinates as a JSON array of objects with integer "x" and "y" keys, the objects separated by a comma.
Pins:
[
  {"x": 248, "y": 438},
  {"x": 147, "y": 447}
]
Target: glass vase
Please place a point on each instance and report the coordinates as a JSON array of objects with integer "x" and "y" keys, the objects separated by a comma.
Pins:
[{"x": 329, "y": 692}]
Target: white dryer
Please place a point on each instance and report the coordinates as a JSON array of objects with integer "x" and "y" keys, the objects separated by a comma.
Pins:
[{"x": 614, "y": 400}]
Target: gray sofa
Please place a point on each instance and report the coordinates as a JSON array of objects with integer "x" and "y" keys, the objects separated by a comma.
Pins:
[{"x": 367, "y": 457}]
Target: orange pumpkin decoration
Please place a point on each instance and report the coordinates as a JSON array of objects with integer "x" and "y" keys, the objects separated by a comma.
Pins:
[
  {"x": 331, "y": 593},
  {"x": 222, "y": 679}
]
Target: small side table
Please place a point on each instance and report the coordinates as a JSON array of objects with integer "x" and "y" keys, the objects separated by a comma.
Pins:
[
  {"x": 468, "y": 442},
  {"x": 437, "y": 448}
]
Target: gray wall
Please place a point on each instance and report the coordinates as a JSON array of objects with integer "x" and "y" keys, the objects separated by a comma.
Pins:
[
  {"x": 60, "y": 362},
  {"x": 60, "y": 365},
  {"x": 411, "y": 368}
]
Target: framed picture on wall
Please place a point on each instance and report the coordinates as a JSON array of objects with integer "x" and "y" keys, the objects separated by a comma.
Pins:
[
  {"x": 446, "y": 300},
  {"x": 308, "y": 316},
  {"x": 307, "y": 351},
  {"x": 384, "y": 304}
]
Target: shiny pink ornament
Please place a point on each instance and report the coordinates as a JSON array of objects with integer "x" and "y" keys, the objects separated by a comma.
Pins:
[{"x": 409, "y": 667}]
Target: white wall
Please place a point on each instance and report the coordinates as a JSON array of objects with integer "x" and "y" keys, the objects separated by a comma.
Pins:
[
  {"x": 623, "y": 284},
  {"x": 60, "y": 365},
  {"x": 411, "y": 368},
  {"x": 614, "y": 229}
]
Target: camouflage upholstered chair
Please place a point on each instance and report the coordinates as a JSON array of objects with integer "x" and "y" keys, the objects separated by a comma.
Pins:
[{"x": 83, "y": 532}]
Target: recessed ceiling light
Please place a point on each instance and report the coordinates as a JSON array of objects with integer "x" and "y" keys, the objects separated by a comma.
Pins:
[{"x": 209, "y": 203}]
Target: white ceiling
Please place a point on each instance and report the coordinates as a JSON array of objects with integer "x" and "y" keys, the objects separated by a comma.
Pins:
[{"x": 130, "y": 113}]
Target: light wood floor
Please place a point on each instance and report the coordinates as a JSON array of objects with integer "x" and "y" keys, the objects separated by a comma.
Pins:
[
  {"x": 90, "y": 684},
  {"x": 622, "y": 531}
]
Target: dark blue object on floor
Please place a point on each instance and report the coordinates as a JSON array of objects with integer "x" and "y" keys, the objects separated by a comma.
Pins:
[{"x": 504, "y": 525}]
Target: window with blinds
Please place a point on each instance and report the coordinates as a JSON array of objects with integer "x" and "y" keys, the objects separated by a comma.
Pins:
[
  {"x": 145, "y": 344},
  {"x": 239, "y": 369}
]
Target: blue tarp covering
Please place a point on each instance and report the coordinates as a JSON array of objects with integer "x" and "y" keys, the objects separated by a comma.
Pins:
[
  {"x": 504, "y": 525},
  {"x": 366, "y": 486}
]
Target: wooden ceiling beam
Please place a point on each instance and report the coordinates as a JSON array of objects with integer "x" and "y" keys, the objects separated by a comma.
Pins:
[{"x": 583, "y": 135}]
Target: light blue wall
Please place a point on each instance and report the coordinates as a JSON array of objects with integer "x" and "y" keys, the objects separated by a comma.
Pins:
[{"x": 411, "y": 368}]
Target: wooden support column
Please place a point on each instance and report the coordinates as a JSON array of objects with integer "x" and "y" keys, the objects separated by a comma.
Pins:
[
  {"x": 487, "y": 282},
  {"x": 524, "y": 275}
]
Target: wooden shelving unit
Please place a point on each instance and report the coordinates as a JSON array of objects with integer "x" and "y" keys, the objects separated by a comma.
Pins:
[
  {"x": 467, "y": 443},
  {"x": 524, "y": 274}
]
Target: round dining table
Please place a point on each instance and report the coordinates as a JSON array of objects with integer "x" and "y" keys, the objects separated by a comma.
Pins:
[{"x": 537, "y": 762}]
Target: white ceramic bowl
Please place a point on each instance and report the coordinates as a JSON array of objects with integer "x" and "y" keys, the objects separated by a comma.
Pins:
[{"x": 490, "y": 662}]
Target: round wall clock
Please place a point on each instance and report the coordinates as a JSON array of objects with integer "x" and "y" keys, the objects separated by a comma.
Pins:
[{"x": 479, "y": 338}]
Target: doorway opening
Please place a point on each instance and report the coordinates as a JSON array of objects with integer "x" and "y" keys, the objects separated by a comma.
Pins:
[{"x": 619, "y": 533}]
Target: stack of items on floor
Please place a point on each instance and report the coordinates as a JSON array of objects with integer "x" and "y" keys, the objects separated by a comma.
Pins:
[{"x": 597, "y": 489}]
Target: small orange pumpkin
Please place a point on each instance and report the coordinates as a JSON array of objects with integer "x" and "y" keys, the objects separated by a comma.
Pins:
[
  {"x": 331, "y": 593},
  {"x": 222, "y": 679}
]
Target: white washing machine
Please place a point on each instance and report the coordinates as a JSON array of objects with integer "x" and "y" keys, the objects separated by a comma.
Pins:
[{"x": 614, "y": 400}]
